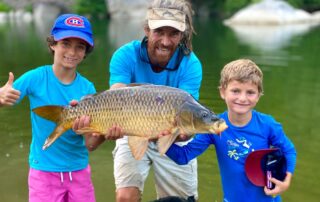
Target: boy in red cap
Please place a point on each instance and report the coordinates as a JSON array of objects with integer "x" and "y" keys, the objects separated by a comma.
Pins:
[
  {"x": 62, "y": 172},
  {"x": 248, "y": 130}
]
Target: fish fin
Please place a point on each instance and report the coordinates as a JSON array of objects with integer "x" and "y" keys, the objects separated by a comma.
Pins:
[
  {"x": 49, "y": 112},
  {"x": 54, "y": 135},
  {"x": 138, "y": 146},
  {"x": 138, "y": 84},
  {"x": 166, "y": 141},
  {"x": 90, "y": 129},
  {"x": 88, "y": 97}
]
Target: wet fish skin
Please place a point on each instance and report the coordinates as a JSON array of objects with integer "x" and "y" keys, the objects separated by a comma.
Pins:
[{"x": 141, "y": 111}]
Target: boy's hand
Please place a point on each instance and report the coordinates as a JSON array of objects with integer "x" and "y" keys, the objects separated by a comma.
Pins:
[
  {"x": 183, "y": 137},
  {"x": 9, "y": 95},
  {"x": 180, "y": 138},
  {"x": 280, "y": 186},
  {"x": 113, "y": 133}
]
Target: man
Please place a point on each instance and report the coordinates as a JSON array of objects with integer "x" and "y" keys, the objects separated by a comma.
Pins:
[{"x": 163, "y": 57}]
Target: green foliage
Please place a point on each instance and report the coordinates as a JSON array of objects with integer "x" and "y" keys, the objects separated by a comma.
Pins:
[
  {"x": 29, "y": 8},
  {"x": 4, "y": 7},
  {"x": 232, "y": 6},
  {"x": 309, "y": 5},
  {"x": 96, "y": 8}
]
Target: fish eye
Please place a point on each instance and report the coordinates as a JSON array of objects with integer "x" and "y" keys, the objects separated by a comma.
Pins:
[{"x": 204, "y": 114}]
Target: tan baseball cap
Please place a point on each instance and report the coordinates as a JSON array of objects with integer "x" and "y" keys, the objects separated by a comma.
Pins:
[{"x": 161, "y": 17}]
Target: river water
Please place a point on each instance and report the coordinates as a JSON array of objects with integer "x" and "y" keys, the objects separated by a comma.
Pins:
[{"x": 288, "y": 56}]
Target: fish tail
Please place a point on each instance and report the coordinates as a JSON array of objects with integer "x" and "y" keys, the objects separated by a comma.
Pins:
[
  {"x": 58, "y": 131},
  {"x": 52, "y": 113}
]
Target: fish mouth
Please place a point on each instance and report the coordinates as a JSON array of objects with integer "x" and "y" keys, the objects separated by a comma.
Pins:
[{"x": 219, "y": 127}]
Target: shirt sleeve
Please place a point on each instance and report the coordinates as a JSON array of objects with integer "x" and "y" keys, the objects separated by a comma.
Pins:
[
  {"x": 192, "y": 76},
  {"x": 25, "y": 83},
  {"x": 92, "y": 89},
  {"x": 183, "y": 154},
  {"x": 279, "y": 139},
  {"x": 120, "y": 66}
]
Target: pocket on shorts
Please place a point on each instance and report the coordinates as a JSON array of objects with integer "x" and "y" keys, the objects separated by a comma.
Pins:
[{"x": 189, "y": 177}]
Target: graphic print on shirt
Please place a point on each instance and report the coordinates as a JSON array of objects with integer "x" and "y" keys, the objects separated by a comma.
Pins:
[{"x": 238, "y": 148}]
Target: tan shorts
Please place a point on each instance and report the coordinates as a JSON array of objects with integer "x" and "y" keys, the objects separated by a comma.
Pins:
[{"x": 171, "y": 179}]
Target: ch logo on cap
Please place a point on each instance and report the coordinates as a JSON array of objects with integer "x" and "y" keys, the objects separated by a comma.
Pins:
[{"x": 74, "y": 22}]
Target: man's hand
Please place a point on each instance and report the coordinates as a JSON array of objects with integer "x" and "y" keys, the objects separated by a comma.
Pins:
[{"x": 9, "y": 95}]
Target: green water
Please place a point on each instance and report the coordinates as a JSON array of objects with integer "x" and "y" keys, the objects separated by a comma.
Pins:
[{"x": 288, "y": 58}]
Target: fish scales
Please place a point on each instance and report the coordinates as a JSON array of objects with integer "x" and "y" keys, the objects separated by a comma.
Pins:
[
  {"x": 142, "y": 112},
  {"x": 138, "y": 112}
]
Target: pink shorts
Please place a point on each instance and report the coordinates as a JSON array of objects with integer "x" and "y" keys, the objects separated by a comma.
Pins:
[{"x": 61, "y": 186}]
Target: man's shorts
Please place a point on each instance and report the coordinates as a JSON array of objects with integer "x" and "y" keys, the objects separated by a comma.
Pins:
[
  {"x": 171, "y": 179},
  {"x": 75, "y": 186}
]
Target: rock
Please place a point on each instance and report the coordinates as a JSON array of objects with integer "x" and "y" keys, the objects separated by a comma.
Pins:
[
  {"x": 44, "y": 15},
  {"x": 128, "y": 8},
  {"x": 270, "y": 12}
]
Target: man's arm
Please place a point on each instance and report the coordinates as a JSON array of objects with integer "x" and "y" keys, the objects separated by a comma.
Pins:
[{"x": 118, "y": 85}]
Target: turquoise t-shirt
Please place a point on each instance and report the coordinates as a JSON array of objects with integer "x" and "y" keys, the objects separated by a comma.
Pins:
[
  {"x": 68, "y": 152},
  {"x": 129, "y": 64}
]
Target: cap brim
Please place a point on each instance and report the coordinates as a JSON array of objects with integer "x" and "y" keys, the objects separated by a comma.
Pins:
[
  {"x": 154, "y": 24},
  {"x": 63, "y": 34},
  {"x": 253, "y": 168}
]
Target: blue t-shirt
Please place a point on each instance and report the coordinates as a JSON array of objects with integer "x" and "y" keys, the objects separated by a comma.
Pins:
[
  {"x": 68, "y": 152},
  {"x": 232, "y": 148},
  {"x": 129, "y": 65}
]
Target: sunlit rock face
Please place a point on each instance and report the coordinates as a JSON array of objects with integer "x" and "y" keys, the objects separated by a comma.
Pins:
[
  {"x": 118, "y": 30},
  {"x": 269, "y": 38},
  {"x": 270, "y": 25},
  {"x": 127, "y": 8},
  {"x": 44, "y": 15},
  {"x": 271, "y": 12},
  {"x": 126, "y": 15}
]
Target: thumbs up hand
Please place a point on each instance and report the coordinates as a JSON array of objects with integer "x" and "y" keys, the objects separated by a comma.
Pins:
[{"x": 8, "y": 95}]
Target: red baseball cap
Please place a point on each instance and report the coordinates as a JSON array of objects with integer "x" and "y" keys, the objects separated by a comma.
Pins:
[{"x": 260, "y": 161}]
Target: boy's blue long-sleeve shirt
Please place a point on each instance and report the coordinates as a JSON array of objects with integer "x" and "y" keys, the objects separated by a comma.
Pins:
[{"x": 232, "y": 148}]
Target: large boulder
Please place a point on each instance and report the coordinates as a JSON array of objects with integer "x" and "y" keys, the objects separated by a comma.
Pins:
[
  {"x": 127, "y": 8},
  {"x": 44, "y": 15},
  {"x": 268, "y": 38},
  {"x": 270, "y": 12},
  {"x": 126, "y": 15}
]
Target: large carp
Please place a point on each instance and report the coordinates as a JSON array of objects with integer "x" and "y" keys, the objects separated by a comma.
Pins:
[{"x": 142, "y": 112}]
